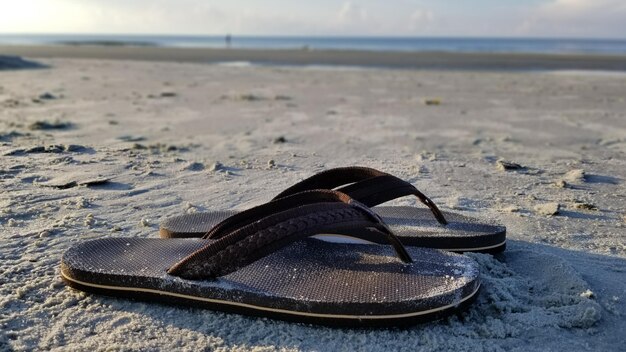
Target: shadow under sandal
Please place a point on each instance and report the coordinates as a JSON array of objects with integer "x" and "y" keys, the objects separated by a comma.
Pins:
[
  {"x": 268, "y": 266},
  {"x": 421, "y": 227}
]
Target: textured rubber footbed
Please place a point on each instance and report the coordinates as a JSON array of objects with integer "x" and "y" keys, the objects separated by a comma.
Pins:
[
  {"x": 307, "y": 278},
  {"x": 414, "y": 226}
]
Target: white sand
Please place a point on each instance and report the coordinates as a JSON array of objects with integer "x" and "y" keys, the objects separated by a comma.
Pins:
[{"x": 561, "y": 284}]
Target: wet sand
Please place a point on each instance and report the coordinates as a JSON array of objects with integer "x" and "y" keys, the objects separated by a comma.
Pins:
[{"x": 422, "y": 60}]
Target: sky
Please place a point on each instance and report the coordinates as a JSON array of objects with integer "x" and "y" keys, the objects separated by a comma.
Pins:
[{"x": 474, "y": 18}]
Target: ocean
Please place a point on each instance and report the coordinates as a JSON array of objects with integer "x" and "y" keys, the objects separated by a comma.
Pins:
[{"x": 404, "y": 44}]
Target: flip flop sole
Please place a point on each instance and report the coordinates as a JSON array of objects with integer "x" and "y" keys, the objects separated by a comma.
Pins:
[
  {"x": 414, "y": 226},
  {"x": 309, "y": 281}
]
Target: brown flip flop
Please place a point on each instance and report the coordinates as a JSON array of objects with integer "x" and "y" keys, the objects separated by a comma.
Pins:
[
  {"x": 263, "y": 263},
  {"x": 420, "y": 227}
]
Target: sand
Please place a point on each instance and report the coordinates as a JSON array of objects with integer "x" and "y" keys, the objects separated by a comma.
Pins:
[{"x": 123, "y": 144}]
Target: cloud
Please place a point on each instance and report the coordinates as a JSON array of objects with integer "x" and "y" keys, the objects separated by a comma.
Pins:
[
  {"x": 156, "y": 16},
  {"x": 113, "y": 16},
  {"x": 35, "y": 15},
  {"x": 350, "y": 13},
  {"x": 568, "y": 18},
  {"x": 420, "y": 20},
  {"x": 350, "y": 18},
  {"x": 577, "y": 18}
]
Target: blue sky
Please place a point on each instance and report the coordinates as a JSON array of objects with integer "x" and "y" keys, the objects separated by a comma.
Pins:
[{"x": 517, "y": 18}]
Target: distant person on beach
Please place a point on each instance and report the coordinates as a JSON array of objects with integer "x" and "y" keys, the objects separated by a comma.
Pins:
[{"x": 228, "y": 39}]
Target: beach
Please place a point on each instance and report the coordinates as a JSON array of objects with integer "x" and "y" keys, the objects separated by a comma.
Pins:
[{"x": 109, "y": 141}]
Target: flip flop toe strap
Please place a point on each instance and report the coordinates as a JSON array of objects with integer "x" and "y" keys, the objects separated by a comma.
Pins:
[
  {"x": 369, "y": 186},
  {"x": 268, "y": 234},
  {"x": 276, "y": 206}
]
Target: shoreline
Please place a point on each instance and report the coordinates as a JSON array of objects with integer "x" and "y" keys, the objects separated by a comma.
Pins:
[{"x": 300, "y": 57}]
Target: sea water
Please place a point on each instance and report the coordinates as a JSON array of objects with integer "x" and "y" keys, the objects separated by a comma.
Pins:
[{"x": 410, "y": 44}]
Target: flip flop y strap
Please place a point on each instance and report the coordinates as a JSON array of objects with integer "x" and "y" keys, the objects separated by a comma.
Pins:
[
  {"x": 369, "y": 186},
  {"x": 268, "y": 234}
]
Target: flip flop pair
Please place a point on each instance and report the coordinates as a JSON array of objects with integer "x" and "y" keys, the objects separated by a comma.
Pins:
[
  {"x": 263, "y": 262},
  {"x": 417, "y": 227}
]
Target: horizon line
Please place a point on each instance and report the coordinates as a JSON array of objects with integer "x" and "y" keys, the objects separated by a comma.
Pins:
[{"x": 295, "y": 36}]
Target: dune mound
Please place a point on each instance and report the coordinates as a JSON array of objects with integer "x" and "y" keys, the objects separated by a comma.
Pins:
[{"x": 16, "y": 63}]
